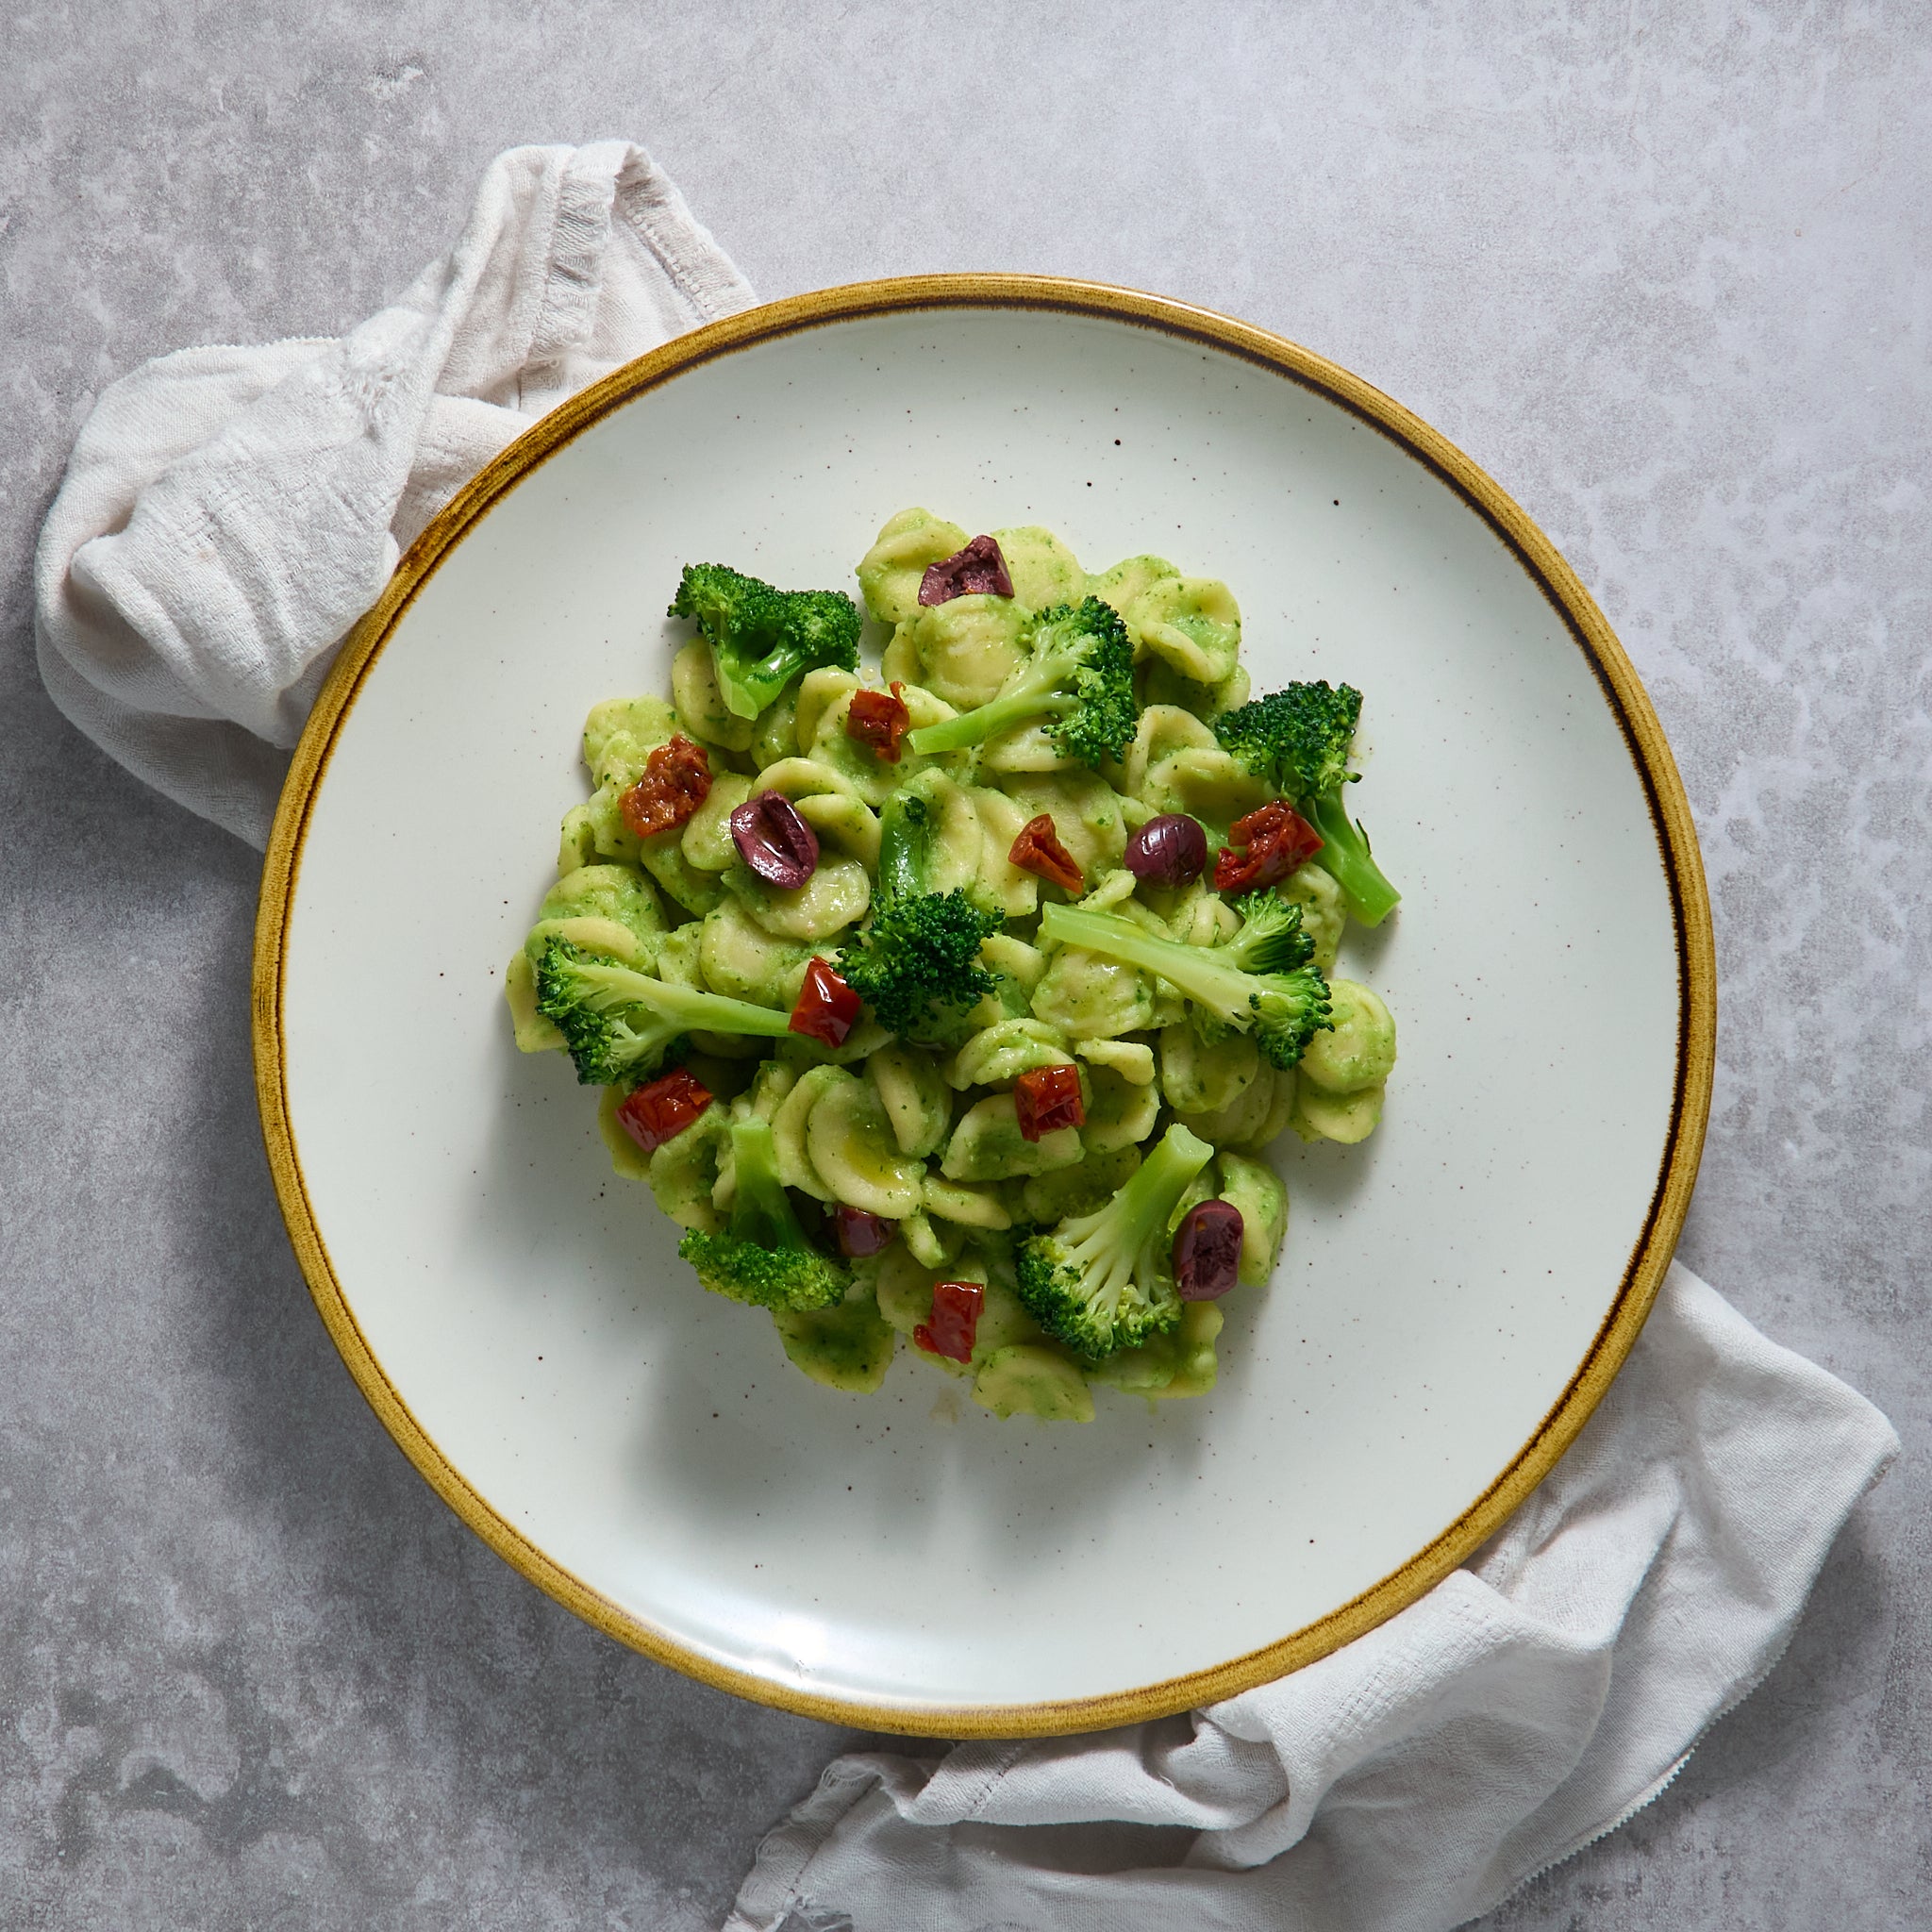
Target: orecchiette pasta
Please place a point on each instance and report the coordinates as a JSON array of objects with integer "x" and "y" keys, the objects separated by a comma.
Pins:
[
  {"x": 964, "y": 650},
  {"x": 741, "y": 959},
  {"x": 1192, "y": 624},
  {"x": 855, "y": 1153},
  {"x": 890, "y": 572},
  {"x": 1122, "y": 1114},
  {"x": 999, "y": 1055},
  {"x": 987, "y": 1144},
  {"x": 700, "y": 704},
  {"x": 789, "y": 1120},
  {"x": 914, "y": 1094},
  {"x": 707, "y": 838},
  {"x": 1044, "y": 571},
  {"x": 833, "y": 898},
  {"x": 1123, "y": 585},
  {"x": 1197, "y": 1077},
  {"x": 1089, "y": 997}
]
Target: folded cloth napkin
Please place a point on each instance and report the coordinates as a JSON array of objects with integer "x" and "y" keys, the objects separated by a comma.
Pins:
[
  {"x": 228, "y": 513},
  {"x": 1411, "y": 1780}
]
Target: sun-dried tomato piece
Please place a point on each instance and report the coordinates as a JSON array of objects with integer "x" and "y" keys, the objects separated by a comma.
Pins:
[
  {"x": 861, "y": 1233},
  {"x": 977, "y": 571},
  {"x": 663, "y": 1110},
  {"x": 1275, "y": 821},
  {"x": 877, "y": 720},
  {"x": 827, "y": 1009},
  {"x": 677, "y": 780},
  {"x": 954, "y": 1322},
  {"x": 1047, "y": 1099},
  {"x": 1038, "y": 850},
  {"x": 1277, "y": 841}
]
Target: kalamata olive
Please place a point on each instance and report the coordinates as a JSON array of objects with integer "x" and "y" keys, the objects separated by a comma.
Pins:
[
  {"x": 1208, "y": 1251},
  {"x": 774, "y": 841},
  {"x": 979, "y": 570},
  {"x": 1168, "y": 851},
  {"x": 861, "y": 1233}
]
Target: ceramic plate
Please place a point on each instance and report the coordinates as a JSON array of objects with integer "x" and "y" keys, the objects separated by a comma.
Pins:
[{"x": 1455, "y": 1294}]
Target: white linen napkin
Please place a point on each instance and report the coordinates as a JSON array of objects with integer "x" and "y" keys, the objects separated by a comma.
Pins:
[
  {"x": 1411, "y": 1780},
  {"x": 228, "y": 513}
]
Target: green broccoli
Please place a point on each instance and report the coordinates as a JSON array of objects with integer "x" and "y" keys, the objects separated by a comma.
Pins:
[
  {"x": 916, "y": 961},
  {"x": 1102, "y": 1281},
  {"x": 1079, "y": 672},
  {"x": 618, "y": 1022},
  {"x": 1261, "y": 981},
  {"x": 1298, "y": 739},
  {"x": 761, "y": 638},
  {"x": 762, "y": 1256}
]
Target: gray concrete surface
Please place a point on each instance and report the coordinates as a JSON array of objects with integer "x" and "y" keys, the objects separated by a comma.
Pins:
[{"x": 1664, "y": 270}]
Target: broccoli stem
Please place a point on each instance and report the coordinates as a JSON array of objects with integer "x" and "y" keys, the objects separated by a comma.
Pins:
[
  {"x": 1206, "y": 973},
  {"x": 745, "y": 686},
  {"x": 759, "y": 1210},
  {"x": 1145, "y": 1206},
  {"x": 1346, "y": 856},
  {"x": 977, "y": 725},
  {"x": 610, "y": 987},
  {"x": 907, "y": 829}
]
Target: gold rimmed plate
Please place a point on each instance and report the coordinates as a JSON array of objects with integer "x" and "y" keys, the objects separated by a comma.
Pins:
[{"x": 1455, "y": 1294}]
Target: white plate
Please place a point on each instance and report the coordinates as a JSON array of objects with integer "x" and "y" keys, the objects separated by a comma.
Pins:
[{"x": 1455, "y": 1294}]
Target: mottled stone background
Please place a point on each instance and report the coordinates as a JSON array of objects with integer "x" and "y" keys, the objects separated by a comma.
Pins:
[{"x": 1663, "y": 269}]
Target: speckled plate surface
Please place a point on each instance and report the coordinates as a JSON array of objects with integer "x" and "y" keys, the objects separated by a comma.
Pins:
[{"x": 1455, "y": 1294}]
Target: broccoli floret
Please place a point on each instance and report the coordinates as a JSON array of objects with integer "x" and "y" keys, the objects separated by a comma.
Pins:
[
  {"x": 1079, "y": 673},
  {"x": 761, "y": 638},
  {"x": 1262, "y": 981},
  {"x": 916, "y": 960},
  {"x": 618, "y": 1022},
  {"x": 762, "y": 1256},
  {"x": 1101, "y": 1282},
  {"x": 1298, "y": 739},
  {"x": 919, "y": 957}
]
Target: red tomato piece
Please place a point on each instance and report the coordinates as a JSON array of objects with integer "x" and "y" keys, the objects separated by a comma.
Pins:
[
  {"x": 677, "y": 780},
  {"x": 663, "y": 1110},
  {"x": 877, "y": 720},
  {"x": 827, "y": 1009},
  {"x": 1278, "y": 840},
  {"x": 1038, "y": 850},
  {"x": 1047, "y": 1099},
  {"x": 954, "y": 1322}
]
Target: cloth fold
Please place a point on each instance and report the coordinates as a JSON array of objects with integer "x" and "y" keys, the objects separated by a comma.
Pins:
[
  {"x": 228, "y": 513},
  {"x": 1411, "y": 1780}
]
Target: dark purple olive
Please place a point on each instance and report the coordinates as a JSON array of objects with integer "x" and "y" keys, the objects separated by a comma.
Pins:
[
  {"x": 1168, "y": 851},
  {"x": 774, "y": 841},
  {"x": 1208, "y": 1251},
  {"x": 977, "y": 571},
  {"x": 861, "y": 1233}
]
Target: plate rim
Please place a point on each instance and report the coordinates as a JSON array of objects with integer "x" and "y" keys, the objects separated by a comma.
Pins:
[{"x": 1622, "y": 692}]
